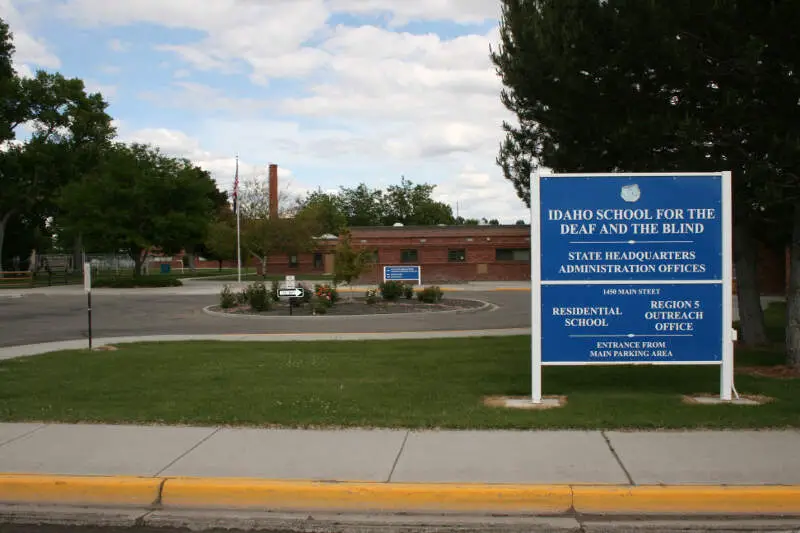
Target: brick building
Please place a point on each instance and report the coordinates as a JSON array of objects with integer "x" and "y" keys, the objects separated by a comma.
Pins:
[
  {"x": 461, "y": 253},
  {"x": 445, "y": 253}
]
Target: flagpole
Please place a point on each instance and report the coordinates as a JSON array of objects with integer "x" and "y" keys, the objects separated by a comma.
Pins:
[{"x": 238, "y": 225}]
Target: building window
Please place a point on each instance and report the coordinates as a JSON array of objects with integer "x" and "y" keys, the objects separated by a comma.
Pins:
[
  {"x": 512, "y": 254},
  {"x": 408, "y": 256},
  {"x": 318, "y": 261},
  {"x": 456, "y": 256},
  {"x": 293, "y": 263}
]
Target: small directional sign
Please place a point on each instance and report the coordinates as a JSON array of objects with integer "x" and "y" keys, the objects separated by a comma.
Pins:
[{"x": 291, "y": 293}]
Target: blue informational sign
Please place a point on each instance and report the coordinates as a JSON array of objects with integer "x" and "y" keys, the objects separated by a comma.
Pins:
[
  {"x": 631, "y": 228},
  {"x": 632, "y": 268},
  {"x": 402, "y": 273},
  {"x": 632, "y": 323}
]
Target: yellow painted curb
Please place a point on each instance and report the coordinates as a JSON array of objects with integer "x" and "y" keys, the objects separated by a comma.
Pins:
[
  {"x": 287, "y": 495},
  {"x": 686, "y": 499},
  {"x": 209, "y": 493},
  {"x": 78, "y": 490}
]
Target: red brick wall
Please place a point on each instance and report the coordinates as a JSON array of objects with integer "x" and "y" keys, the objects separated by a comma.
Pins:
[
  {"x": 480, "y": 243},
  {"x": 434, "y": 243}
]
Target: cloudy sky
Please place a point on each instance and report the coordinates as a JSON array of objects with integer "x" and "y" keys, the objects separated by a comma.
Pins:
[{"x": 336, "y": 92}]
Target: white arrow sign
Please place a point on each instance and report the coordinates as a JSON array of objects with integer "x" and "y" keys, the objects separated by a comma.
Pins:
[{"x": 291, "y": 293}]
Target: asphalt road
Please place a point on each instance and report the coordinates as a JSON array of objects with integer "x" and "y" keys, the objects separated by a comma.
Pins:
[{"x": 45, "y": 318}]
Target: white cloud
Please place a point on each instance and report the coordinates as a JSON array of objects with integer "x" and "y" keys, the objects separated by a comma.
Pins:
[
  {"x": 480, "y": 195},
  {"x": 267, "y": 36},
  {"x": 110, "y": 69},
  {"x": 118, "y": 45},
  {"x": 108, "y": 91},
  {"x": 366, "y": 99},
  {"x": 29, "y": 50},
  {"x": 222, "y": 167},
  {"x": 191, "y": 95},
  {"x": 402, "y": 11}
]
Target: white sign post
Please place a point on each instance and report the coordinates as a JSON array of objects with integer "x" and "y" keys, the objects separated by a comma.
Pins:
[
  {"x": 631, "y": 269},
  {"x": 87, "y": 286}
]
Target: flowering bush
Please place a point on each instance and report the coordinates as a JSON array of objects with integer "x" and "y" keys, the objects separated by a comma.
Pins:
[
  {"x": 326, "y": 294},
  {"x": 372, "y": 296}
]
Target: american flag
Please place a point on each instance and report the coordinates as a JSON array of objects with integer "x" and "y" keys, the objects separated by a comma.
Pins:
[{"x": 236, "y": 186}]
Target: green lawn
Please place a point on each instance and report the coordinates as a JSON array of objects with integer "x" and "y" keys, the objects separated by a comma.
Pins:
[
  {"x": 252, "y": 276},
  {"x": 414, "y": 384},
  {"x": 43, "y": 280},
  {"x": 227, "y": 274}
]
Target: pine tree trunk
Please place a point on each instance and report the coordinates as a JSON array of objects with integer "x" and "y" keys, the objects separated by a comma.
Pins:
[
  {"x": 748, "y": 292},
  {"x": 192, "y": 266},
  {"x": 3, "y": 225},
  {"x": 77, "y": 253},
  {"x": 793, "y": 297},
  {"x": 138, "y": 261}
]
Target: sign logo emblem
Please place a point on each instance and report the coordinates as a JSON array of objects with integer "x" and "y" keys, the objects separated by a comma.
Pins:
[{"x": 631, "y": 193}]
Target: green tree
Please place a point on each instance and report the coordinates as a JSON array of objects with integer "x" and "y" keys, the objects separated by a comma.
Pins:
[
  {"x": 349, "y": 263},
  {"x": 327, "y": 209},
  {"x": 139, "y": 199},
  {"x": 362, "y": 206},
  {"x": 220, "y": 243},
  {"x": 222, "y": 212},
  {"x": 412, "y": 204},
  {"x": 266, "y": 237},
  {"x": 70, "y": 131},
  {"x": 660, "y": 85},
  {"x": 12, "y": 114}
]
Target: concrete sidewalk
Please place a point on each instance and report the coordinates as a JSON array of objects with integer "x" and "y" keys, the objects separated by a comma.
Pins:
[
  {"x": 157, "y": 472},
  {"x": 399, "y": 456}
]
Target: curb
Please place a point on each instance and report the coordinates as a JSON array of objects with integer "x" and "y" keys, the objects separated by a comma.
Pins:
[
  {"x": 223, "y": 493},
  {"x": 79, "y": 490},
  {"x": 485, "y": 305}
]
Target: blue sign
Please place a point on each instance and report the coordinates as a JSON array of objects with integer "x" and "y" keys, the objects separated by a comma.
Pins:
[
  {"x": 631, "y": 269},
  {"x": 629, "y": 323},
  {"x": 402, "y": 273},
  {"x": 631, "y": 228}
]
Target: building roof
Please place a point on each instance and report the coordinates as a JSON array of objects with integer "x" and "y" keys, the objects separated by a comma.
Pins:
[{"x": 444, "y": 227}]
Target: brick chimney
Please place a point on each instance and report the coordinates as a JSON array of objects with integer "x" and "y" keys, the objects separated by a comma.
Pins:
[{"x": 273, "y": 191}]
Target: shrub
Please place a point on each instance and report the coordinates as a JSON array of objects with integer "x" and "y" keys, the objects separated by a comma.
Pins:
[
  {"x": 371, "y": 296},
  {"x": 430, "y": 295},
  {"x": 226, "y": 298},
  {"x": 320, "y": 308},
  {"x": 274, "y": 290},
  {"x": 408, "y": 292},
  {"x": 137, "y": 281},
  {"x": 326, "y": 294},
  {"x": 259, "y": 297},
  {"x": 391, "y": 290},
  {"x": 242, "y": 297}
]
